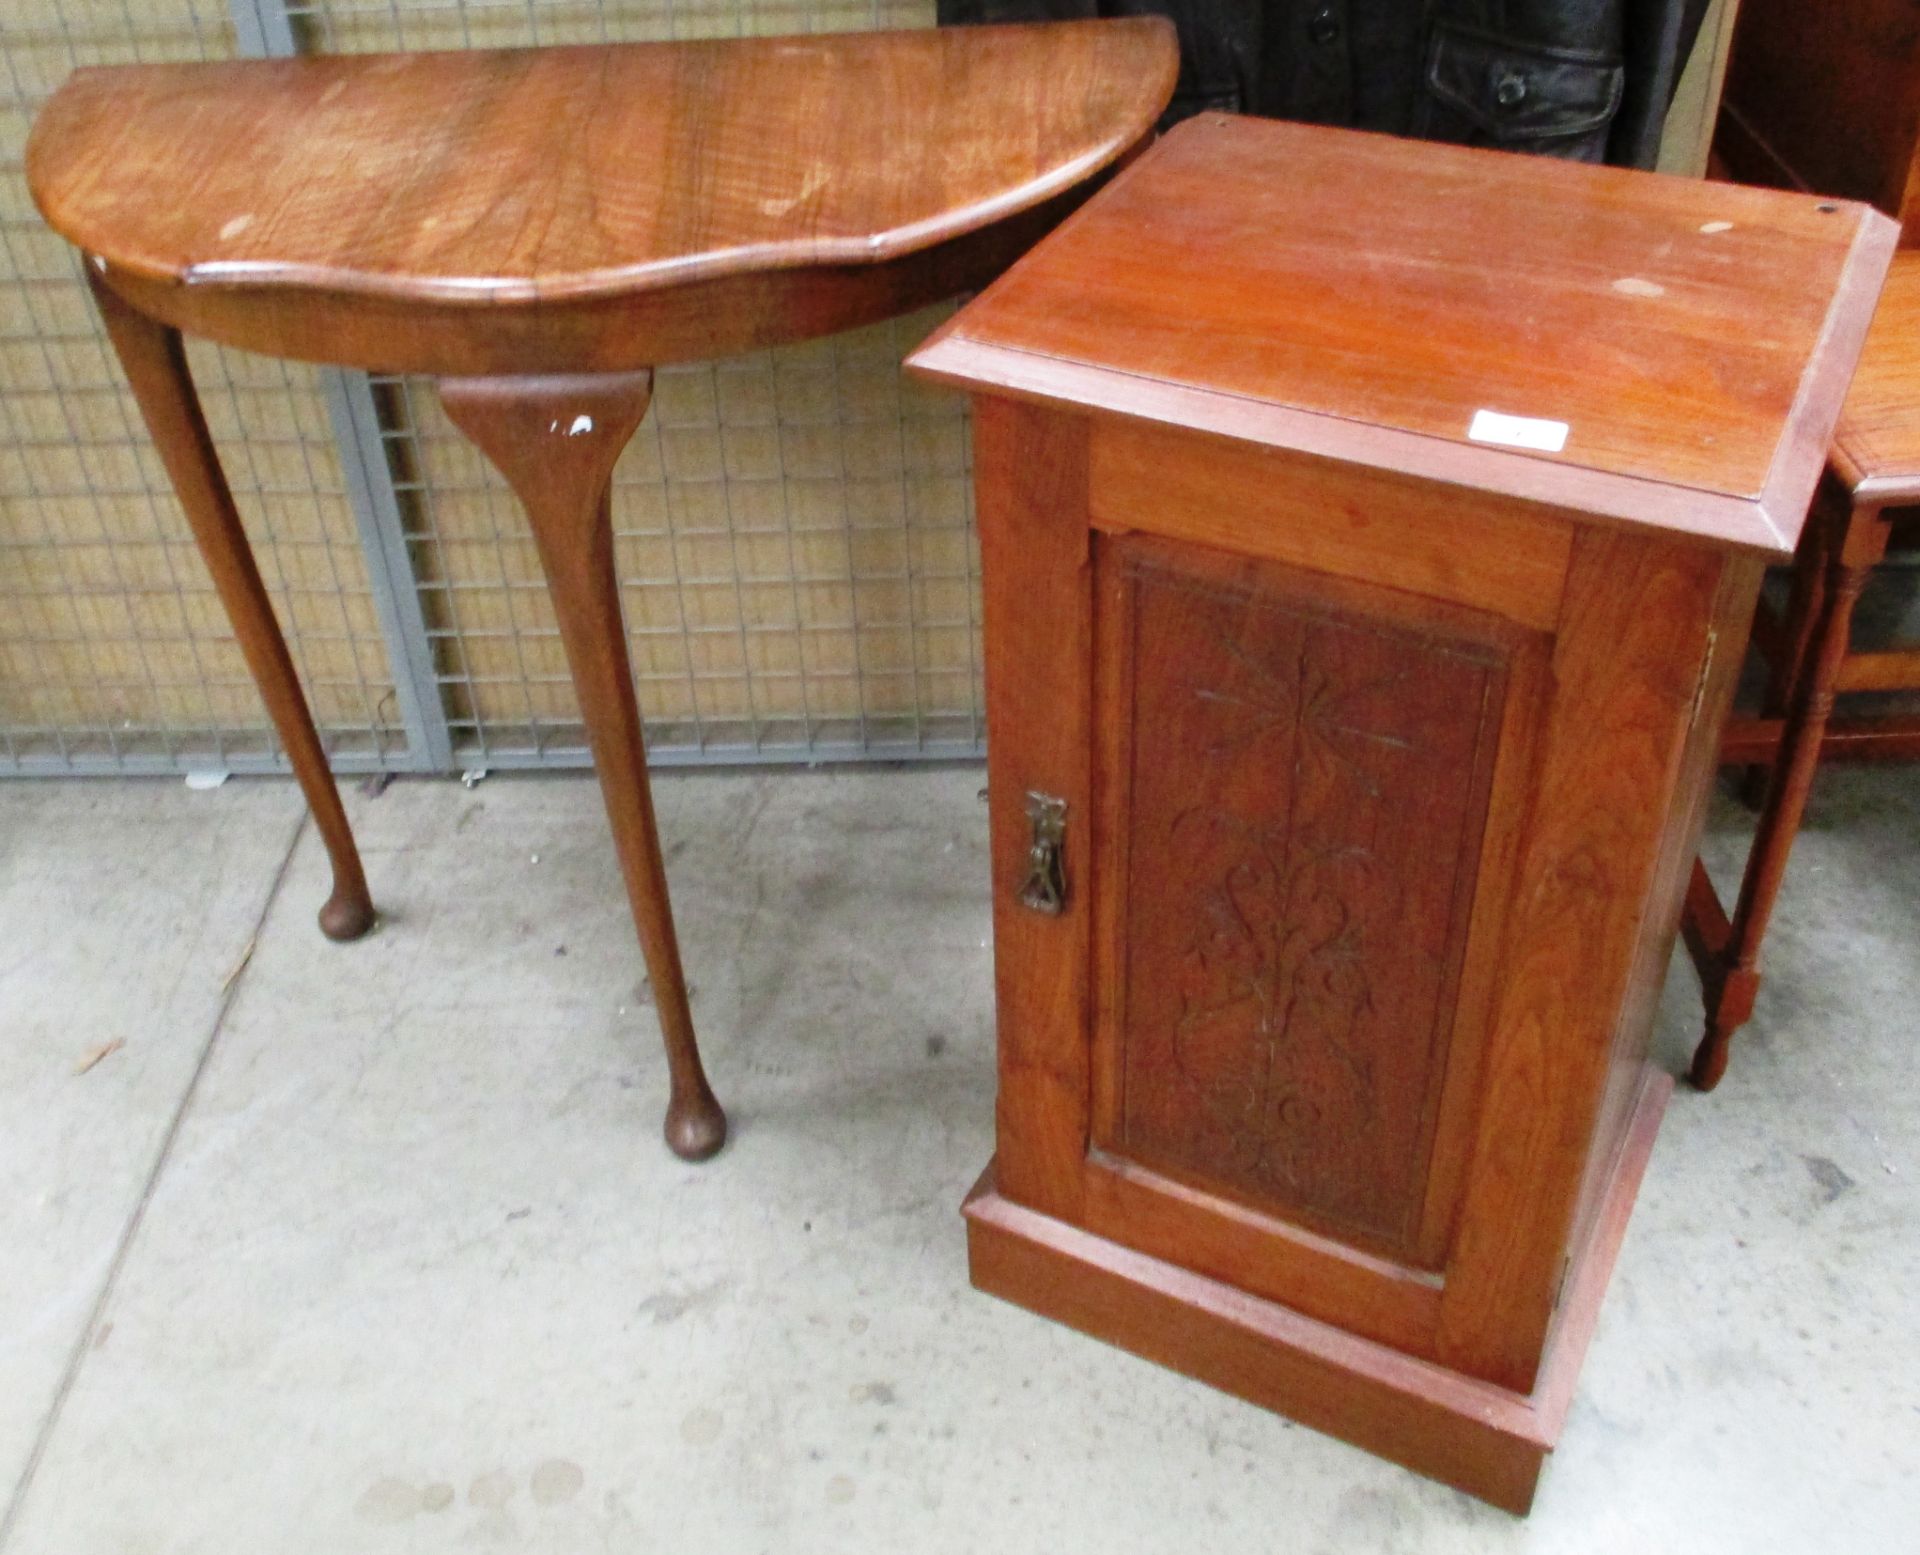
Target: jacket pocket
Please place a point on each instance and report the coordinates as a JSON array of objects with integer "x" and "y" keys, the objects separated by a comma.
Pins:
[{"x": 1484, "y": 90}]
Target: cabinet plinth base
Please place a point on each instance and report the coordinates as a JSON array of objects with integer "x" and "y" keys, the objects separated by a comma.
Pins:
[{"x": 1485, "y": 1440}]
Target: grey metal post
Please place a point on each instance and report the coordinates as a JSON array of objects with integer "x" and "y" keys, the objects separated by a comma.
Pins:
[
  {"x": 262, "y": 28},
  {"x": 390, "y": 577}
]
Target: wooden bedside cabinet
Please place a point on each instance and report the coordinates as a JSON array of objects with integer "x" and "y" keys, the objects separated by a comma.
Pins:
[{"x": 1370, "y": 529}]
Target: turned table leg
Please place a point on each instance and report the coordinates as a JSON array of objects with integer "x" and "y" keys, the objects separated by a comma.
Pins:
[
  {"x": 156, "y": 369},
  {"x": 556, "y": 440},
  {"x": 1731, "y": 975}
]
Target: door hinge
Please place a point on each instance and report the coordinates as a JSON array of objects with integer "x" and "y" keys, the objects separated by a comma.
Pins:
[{"x": 1706, "y": 672}]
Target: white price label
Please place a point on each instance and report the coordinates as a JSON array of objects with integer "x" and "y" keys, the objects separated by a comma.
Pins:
[{"x": 1490, "y": 426}]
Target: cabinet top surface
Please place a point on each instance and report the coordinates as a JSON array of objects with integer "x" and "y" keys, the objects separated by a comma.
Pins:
[
  {"x": 514, "y": 175},
  {"x": 1652, "y": 350}
]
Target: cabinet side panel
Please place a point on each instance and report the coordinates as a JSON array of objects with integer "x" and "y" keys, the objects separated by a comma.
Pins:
[
  {"x": 1031, "y": 497},
  {"x": 1626, "y": 666},
  {"x": 1308, "y": 796},
  {"x": 1733, "y": 617}
]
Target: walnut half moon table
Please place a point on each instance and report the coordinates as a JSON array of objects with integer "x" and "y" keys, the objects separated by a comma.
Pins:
[{"x": 537, "y": 229}]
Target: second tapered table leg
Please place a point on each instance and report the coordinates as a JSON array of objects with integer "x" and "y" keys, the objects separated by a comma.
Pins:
[
  {"x": 556, "y": 440},
  {"x": 156, "y": 367}
]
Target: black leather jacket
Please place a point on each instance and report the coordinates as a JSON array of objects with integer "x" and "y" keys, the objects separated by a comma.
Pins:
[{"x": 1588, "y": 80}]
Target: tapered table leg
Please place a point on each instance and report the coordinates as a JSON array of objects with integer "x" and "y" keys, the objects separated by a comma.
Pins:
[
  {"x": 556, "y": 440},
  {"x": 156, "y": 368},
  {"x": 1731, "y": 980}
]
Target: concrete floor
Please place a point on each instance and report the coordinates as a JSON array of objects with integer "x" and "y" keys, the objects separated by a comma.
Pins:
[{"x": 376, "y": 1248}]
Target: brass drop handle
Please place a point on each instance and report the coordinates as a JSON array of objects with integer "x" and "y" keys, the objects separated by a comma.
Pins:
[{"x": 1046, "y": 885}]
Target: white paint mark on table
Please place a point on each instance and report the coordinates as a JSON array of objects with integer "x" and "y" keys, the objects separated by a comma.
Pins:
[
  {"x": 815, "y": 181},
  {"x": 1638, "y": 286}
]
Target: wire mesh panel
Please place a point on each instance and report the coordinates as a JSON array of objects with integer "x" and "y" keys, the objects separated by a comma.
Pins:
[
  {"x": 795, "y": 558},
  {"x": 114, "y": 652},
  {"x": 792, "y": 528}
]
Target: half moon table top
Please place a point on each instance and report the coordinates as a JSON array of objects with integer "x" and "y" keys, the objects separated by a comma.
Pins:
[{"x": 578, "y": 182}]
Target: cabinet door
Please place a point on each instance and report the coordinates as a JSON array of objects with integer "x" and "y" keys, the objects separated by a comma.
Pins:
[{"x": 1303, "y": 796}]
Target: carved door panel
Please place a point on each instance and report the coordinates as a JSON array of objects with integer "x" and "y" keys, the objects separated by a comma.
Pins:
[{"x": 1294, "y": 782}]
